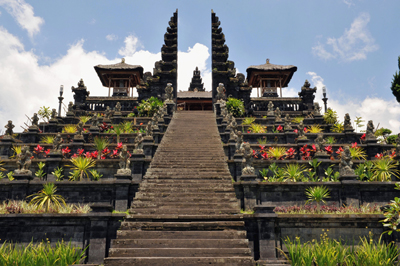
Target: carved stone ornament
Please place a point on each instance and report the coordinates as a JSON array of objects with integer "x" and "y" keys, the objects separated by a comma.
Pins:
[
  {"x": 320, "y": 144},
  {"x": 24, "y": 161},
  {"x": 346, "y": 164},
  {"x": 138, "y": 143},
  {"x": 169, "y": 93},
  {"x": 370, "y": 133},
  {"x": 9, "y": 128},
  {"x": 270, "y": 108},
  {"x": 35, "y": 120},
  {"x": 124, "y": 162},
  {"x": 278, "y": 115},
  {"x": 220, "y": 92},
  {"x": 288, "y": 123},
  {"x": 247, "y": 159},
  {"x": 57, "y": 143}
]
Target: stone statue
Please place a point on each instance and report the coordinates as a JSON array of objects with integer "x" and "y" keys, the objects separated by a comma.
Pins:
[
  {"x": 220, "y": 92},
  {"x": 300, "y": 128},
  {"x": 247, "y": 159},
  {"x": 81, "y": 83},
  {"x": 317, "y": 109},
  {"x": 232, "y": 124},
  {"x": 9, "y": 128},
  {"x": 70, "y": 107},
  {"x": 124, "y": 162},
  {"x": 57, "y": 143},
  {"x": 118, "y": 107},
  {"x": 270, "y": 108},
  {"x": 35, "y": 120},
  {"x": 347, "y": 123},
  {"x": 154, "y": 122},
  {"x": 53, "y": 114},
  {"x": 108, "y": 112},
  {"x": 79, "y": 129},
  {"x": 138, "y": 143},
  {"x": 169, "y": 93},
  {"x": 370, "y": 134},
  {"x": 239, "y": 142},
  {"x": 278, "y": 115},
  {"x": 149, "y": 130},
  {"x": 345, "y": 165},
  {"x": 288, "y": 123},
  {"x": 95, "y": 120},
  {"x": 319, "y": 144},
  {"x": 24, "y": 161}
]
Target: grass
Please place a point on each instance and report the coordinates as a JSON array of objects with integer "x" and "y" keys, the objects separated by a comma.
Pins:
[
  {"x": 62, "y": 254},
  {"x": 246, "y": 212},
  {"x": 326, "y": 209},
  {"x": 20, "y": 206}
]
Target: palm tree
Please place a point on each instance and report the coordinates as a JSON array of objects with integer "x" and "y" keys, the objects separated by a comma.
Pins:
[
  {"x": 317, "y": 194},
  {"x": 82, "y": 165},
  {"x": 47, "y": 197}
]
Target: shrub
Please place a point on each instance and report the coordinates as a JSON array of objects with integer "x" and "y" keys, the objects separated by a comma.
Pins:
[
  {"x": 248, "y": 120},
  {"x": 338, "y": 127},
  {"x": 149, "y": 107},
  {"x": 47, "y": 197},
  {"x": 391, "y": 139},
  {"x": 235, "y": 107},
  {"x": 330, "y": 117},
  {"x": 257, "y": 128},
  {"x": 47, "y": 139},
  {"x": 317, "y": 194}
]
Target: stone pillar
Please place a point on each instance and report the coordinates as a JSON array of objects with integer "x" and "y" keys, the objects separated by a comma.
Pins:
[
  {"x": 217, "y": 109},
  {"x": 137, "y": 162},
  {"x": 266, "y": 218},
  {"x": 238, "y": 161},
  {"x": 53, "y": 160},
  {"x": 249, "y": 192},
  {"x": 231, "y": 148},
  {"x": 170, "y": 108},
  {"x": 148, "y": 144},
  {"x": 122, "y": 183},
  {"x": 98, "y": 232},
  {"x": 270, "y": 119},
  {"x": 350, "y": 193},
  {"x": 156, "y": 136},
  {"x": 5, "y": 147}
]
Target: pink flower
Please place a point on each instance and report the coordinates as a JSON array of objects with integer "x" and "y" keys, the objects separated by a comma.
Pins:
[
  {"x": 65, "y": 151},
  {"x": 340, "y": 150},
  {"x": 296, "y": 131},
  {"x": 80, "y": 151},
  {"x": 38, "y": 149},
  {"x": 114, "y": 153},
  {"x": 379, "y": 156},
  {"x": 47, "y": 151},
  {"x": 88, "y": 155},
  {"x": 305, "y": 130},
  {"x": 279, "y": 128},
  {"x": 95, "y": 154},
  {"x": 363, "y": 137},
  {"x": 329, "y": 149},
  {"x": 102, "y": 157},
  {"x": 74, "y": 155},
  {"x": 119, "y": 145},
  {"x": 354, "y": 145}
]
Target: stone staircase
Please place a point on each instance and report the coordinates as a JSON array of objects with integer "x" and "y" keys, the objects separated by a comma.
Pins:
[{"x": 185, "y": 212}]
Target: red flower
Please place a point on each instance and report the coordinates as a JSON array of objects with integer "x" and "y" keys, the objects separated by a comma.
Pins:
[
  {"x": 340, "y": 150},
  {"x": 290, "y": 153},
  {"x": 88, "y": 155},
  {"x": 328, "y": 149},
  {"x": 111, "y": 127},
  {"x": 279, "y": 128},
  {"x": 305, "y": 130},
  {"x": 65, "y": 151},
  {"x": 47, "y": 151},
  {"x": 114, "y": 153},
  {"x": 248, "y": 131},
  {"x": 296, "y": 131},
  {"x": 140, "y": 124},
  {"x": 393, "y": 154},
  {"x": 363, "y": 137},
  {"x": 379, "y": 156},
  {"x": 354, "y": 145},
  {"x": 264, "y": 155},
  {"x": 94, "y": 154},
  {"x": 32, "y": 157},
  {"x": 74, "y": 155},
  {"x": 80, "y": 151},
  {"x": 119, "y": 145},
  {"x": 105, "y": 151},
  {"x": 314, "y": 148},
  {"x": 38, "y": 149},
  {"x": 84, "y": 129},
  {"x": 102, "y": 157}
]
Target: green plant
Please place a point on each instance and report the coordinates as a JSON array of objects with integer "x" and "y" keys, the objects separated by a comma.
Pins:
[
  {"x": 17, "y": 150},
  {"x": 391, "y": 139},
  {"x": 47, "y": 139},
  {"x": 314, "y": 129},
  {"x": 277, "y": 173},
  {"x": 247, "y": 211},
  {"x": 382, "y": 134},
  {"x": 1, "y": 164},
  {"x": 338, "y": 127},
  {"x": 330, "y": 117},
  {"x": 248, "y": 120},
  {"x": 330, "y": 140},
  {"x": 235, "y": 107},
  {"x": 331, "y": 175},
  {"x": 71, "y": 129},
  {"x": 44, "y": 253},
  {"x": 293, "y": 172},
  {"x": 395, "y": 87},
  {"x": 58, "y": 173},
  {"x": 149, "y": 107},
  {"x": 297, "y": 119},
  {"x": 257, "y": 128},
  {"x": 40, "y": 173},
  {"x": 358, "y": 121},
  {"x": 10, "y": 175},
  {"x": 44, "y": 113},
  {"x": 127, "y": 127},
  {"x": 118, "y": 130},
  {"x": 131, "y": 115},
  {"x": 47, "y": 197},
  {"x": 317, "y": 194},
  {"x": 96, "y": 175},
  {"x": 262, "y": 141},
  {"x": 383, "y": 169},
  {"x": 100, "y": 144},
  {"x": 2, "y": 175},
  {"x": 363, "y": 171},
  {"x": 264, "y": 173},
  {"x": 81, "y": 166},
  {"x": 276, "y": 152},
  {"x": 358, "y": 153},
  {"x": 84, "y": 119}
]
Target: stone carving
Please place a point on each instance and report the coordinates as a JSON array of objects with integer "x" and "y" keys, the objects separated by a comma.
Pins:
[
  {"x": 53, "y": 114},
  {"x": 232, "y": 124},
  {"x": 24, "y": 161},
  {"x": 224, "y": 111},
  {"x": 95, "y": 120},
  {"x": 169, "y": 93},
  {"x": 9, "y": 128},
  {"x": 317, "y": 109},
  {"x": 300, "y": 129},
  {"x": 149, "y": 130},
  {"x": 57, "y": 143},
  {"x": 220, "y": 92},
  {"x": 70, "y": 109},
  {"x": 154, "y": 122},
  {"x": 108, "y": 113},
  {"x": 118, "y": 107},
  {"x": 347, "y": 123},
  {"x": 288, "y": 123},
  {"x": 278, "y": 115},
  {"x": 35, "y": 120},
  {"x": 81, "y": 84},
  {"x": 124, "y": 162},
  {"x": 370, "y": 133},
  {"x": 270, "y": 108},
  {"x": 320, "y": 144},
  {"x": 79, "y": 129},
  {"x": 138, "y": 143},
  {"x": 345, "y": 165},
  {"x": 247, "y": 159},
  {"x": 239, "y": 142}
]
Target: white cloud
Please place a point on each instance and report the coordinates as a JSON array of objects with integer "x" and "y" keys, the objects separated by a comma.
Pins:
[
  {"x": 111, "y": 37},
  {"x": 24, "y": 15},
  {"x": 131, "y": 44},
  {"x": 380, "y": 111},
  {"x": 25, "y": 85},
  {"x": 349, "y": 3},
  {"x": 354, "y": 44}
]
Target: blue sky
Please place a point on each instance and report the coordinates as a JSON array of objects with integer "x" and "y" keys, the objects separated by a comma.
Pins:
[{"x": 349, "y": 46}]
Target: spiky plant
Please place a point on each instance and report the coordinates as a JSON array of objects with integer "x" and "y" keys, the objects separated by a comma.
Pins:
[
  {"x": 330, "y": 140},
  {"x": 82, "y": 165},
  {"x": 100, "y": 144},
  {"x": 127, "y": 126},
  {"x": 358, "y": 153},
  {"x": 1, "y": 164},
  {"x": 248, "y": 121},
  {"x": 17, "y": 150},
  {"x": 338, "y": 127},
  {"x": 297, "y": 119},
  {"x": 276, "y": 152},
  {"x": 383, "y": 169},
  {"x": 293, "y": 172},
  {"x": 257, "y": 128},
  {"x": 84, "y": 119},
  {"x": 317, "y": 194},
  {"x": 47, "y": 139},
  {"x": 314, "y": 129},
  {"x": 330, "y": 117},
  {"x": 71, "y": 129},
  {"x": 47, "y": 197}
]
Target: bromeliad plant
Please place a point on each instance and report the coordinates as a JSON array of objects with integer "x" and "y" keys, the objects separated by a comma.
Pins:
[
  {"x": 71, "y": 129},
  {"x": 338, "y": 127},
  {"x": 384, "y": 168},
  {"x": 294, "y": 172},
  {"x": 317, "y": 194},
  {"x": 47, "y": 197},
  {"x": 276, "y": 153},
  {"x": 314, "y": 129},
  {"x": 257, "y": 128},
  {"x": 47, "y": 139},
  {"x": 81, "y": 167},
  {"x": 330, "y": 117}
]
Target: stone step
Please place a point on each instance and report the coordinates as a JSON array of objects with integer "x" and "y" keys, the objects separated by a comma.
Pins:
[
  {"x": 180, "y": 243},
  {"x": 179, "y": 252},
  {"x": 186, "y": 181},
  {"x": 211, "y": 205},
  {"x": 221, "y": 196},
  {"x": 182, "y": 211},
  {"x": 211, "y": 190},
  {"x": 185, "y": 235},
  {"x": 179, "y": 261},
  {"x": 174, "y": 200},
  {"x": 168, "y": 226}
]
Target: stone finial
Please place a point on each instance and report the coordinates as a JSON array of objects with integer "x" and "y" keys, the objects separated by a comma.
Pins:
[
  {"x": 169, "y": 93},
  {"x": 122, "y": 60},
  {"x": 9, "y": 128},
  {"x": 81, "y": 84},
  {"x": 57, "y": 143},
  {"x": 347, "y": 124},
  {"x": 53, "y": 113},
  {"x": 267, "y": 61},
  {"x": 346, "y": 164},
  {"x": 24, "y": 161},
  {"x": 247, "y": 159},
  {"x": 124, "y": 162}
]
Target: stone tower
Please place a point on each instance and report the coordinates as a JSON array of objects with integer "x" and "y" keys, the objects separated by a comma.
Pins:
[{"x": 196, "y": 84}]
